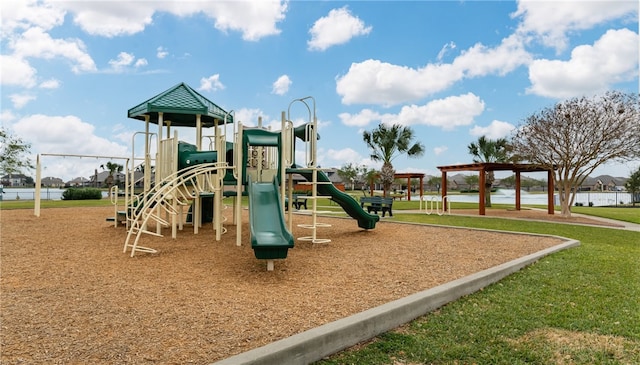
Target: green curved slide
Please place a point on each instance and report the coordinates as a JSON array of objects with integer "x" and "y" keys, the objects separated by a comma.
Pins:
[
  {"x": 348, "y": 204},
  {"x": 270, "y": 238}
]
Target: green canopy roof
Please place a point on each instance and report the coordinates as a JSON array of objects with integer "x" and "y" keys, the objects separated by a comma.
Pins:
[{"x": 180, "y": 105}]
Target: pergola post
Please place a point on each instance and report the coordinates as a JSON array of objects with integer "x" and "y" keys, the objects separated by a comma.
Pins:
[
  {"x": 517, "y": 190},
  {"x": 444, "y": 190},
  {"x": 550, "y": 191},
  {"x": 481, "y": 198}
]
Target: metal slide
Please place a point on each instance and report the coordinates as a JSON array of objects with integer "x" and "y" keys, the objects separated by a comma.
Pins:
[
  {"x": 350, "y": 205},
  {"x": 270, "y": 238}
]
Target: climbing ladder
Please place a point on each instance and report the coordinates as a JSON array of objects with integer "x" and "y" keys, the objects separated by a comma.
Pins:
[{"x": 164, "y": 202}]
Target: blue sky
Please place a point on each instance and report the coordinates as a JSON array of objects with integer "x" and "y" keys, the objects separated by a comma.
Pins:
[{"x": 451, "y": 70}]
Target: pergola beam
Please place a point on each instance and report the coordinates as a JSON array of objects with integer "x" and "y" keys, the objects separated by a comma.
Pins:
[{"x": 483, "y": 167}]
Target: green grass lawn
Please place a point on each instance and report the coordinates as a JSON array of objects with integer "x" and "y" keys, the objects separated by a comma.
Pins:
[
  {"x": 579, "y": 306},
  {"x": 29, "y": 204}
]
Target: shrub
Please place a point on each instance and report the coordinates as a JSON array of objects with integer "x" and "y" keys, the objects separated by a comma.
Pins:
[{"x": 82, "y": 194}]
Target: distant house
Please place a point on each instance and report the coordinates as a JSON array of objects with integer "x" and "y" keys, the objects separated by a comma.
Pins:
[
  {"x": 99, "y": 179},
  {"x": 459, "y": 182},
  {"x": 52, "y": 182},
  {"x": 14, "y": 180},
  {"x": 603, "y": 183},
  {"x": 78, "y": 182},
  {"x": 299, "y": 180}
]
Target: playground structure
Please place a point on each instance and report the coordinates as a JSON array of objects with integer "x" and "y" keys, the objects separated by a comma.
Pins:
[{"x": 252, "y": 161}]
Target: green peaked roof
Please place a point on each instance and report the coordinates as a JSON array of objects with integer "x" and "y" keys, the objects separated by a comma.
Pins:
[{"x": 180, "y": 105}]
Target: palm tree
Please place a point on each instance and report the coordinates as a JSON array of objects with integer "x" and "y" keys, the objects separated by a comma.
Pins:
[
  {"x": 488, "y": 151},
  {"x": 112, "y": 167},
  {"x": 387, "y": 143}
]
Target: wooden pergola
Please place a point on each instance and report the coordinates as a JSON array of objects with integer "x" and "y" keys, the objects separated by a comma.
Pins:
[
  {"x": 408, "y": 176},
  {"x": 483, "y": 167}
]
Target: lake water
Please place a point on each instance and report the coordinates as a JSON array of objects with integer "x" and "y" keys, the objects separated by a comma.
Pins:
[
  {"x": 30, "y": 194},
  {"x": 508, "y": 196},
  {"x": 501, "y": 196}
]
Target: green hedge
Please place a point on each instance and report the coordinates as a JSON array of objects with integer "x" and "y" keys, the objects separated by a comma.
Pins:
[{"x": 82, "y": 194}]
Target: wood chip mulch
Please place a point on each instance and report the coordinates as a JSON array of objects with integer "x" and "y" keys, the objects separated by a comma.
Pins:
[{"x": 69, "y": 295}]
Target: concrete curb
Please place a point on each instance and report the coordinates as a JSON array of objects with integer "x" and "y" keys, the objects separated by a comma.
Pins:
[{"x": 316, "y": 343}]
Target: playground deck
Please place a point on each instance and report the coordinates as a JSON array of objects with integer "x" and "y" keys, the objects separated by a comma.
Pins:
[{"x": 69, "y": 294}]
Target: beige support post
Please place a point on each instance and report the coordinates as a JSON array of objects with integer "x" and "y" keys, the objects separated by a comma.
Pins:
[
  {"x": 217, "y": 191},
  {"x": 196, "y": 211},
  {"x": 36, "y": 209},
  {"x": 283, "y": 158},
  {"x": 158, "y": 163},
  {"x": 238, "y": 149}
]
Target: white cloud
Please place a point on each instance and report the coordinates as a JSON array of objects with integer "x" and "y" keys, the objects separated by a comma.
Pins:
[
  {"x": 551, "y": 21},
  {"x": 211, "y": 83},
  {"x": 6, "y": 117},
  {"x": 338, "y": 27},
  {"x": 612, "y": 58},
  {"x": 50, "y": 84},
  {"x": 20, "y": 100},
  {"x": 497, "y": 129},
  {"x": 255, "y": 19},
  {"x": 17, "y": 71},
  {"x": 140, "y": 62},
  {"x": 38, "y": 44},
  {"x": 281, "y": 85},
  {"x": 111, "y": 18},
  {"x": 161, "y": 52},
  {"x": 18, "y": 15},
  {"x": 481, "y": 60},
  {"x": 343, "y": 156},
  {"x": 51, "y": 134},
  {"x": 440, "y": 150},
  {"x": 445, "y": 49},
  {"x": 362, "y": 119},
  {"x": 249, "y": 117},
  {"x": 447, "y": 113},
  {"x": 376, "y": 82},
  {"x": 124, "y": 59}
]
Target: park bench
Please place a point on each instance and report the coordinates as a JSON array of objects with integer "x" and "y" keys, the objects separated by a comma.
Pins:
[
  {"x": 377, "y": 203},
  {"x": 299, "y": 201}
]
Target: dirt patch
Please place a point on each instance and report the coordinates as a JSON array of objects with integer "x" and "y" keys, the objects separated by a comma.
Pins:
[
  {"x": 70, "y": 295},
  {"x": 565, "y": 347}
]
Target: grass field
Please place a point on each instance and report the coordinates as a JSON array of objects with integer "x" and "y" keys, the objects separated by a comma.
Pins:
[{"x": 579, "y": 306}]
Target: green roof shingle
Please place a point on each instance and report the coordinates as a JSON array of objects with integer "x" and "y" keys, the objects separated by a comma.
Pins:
[{"x": 180, "y": 105}]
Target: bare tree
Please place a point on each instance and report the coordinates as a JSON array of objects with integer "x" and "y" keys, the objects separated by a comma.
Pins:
[
  {"x": 351, "y": 173},
  {"x": 12, "y": 153},
  {"x": 633, "y": 186},
  {"x": 576, "y": 136}
]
